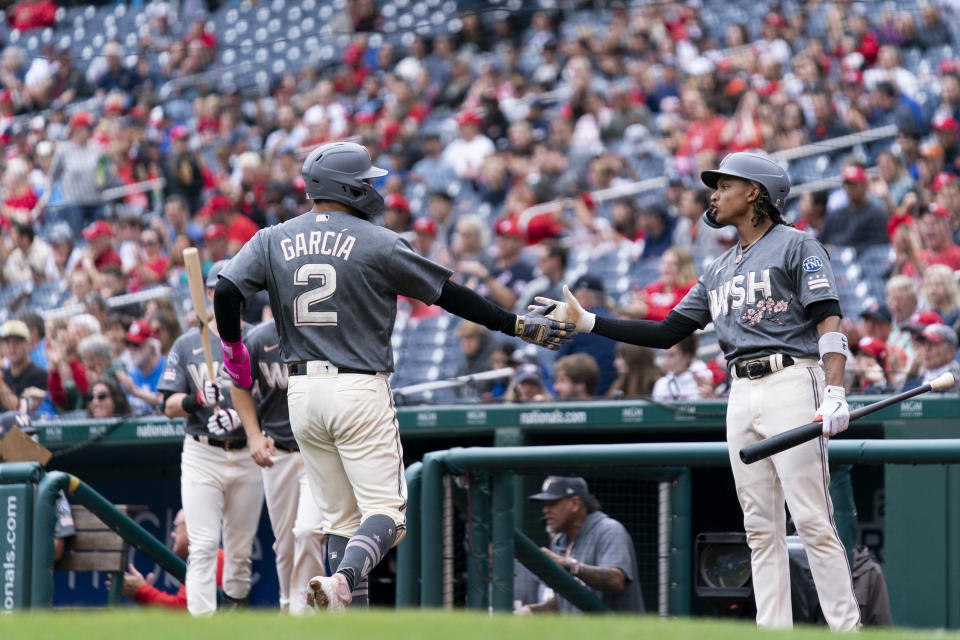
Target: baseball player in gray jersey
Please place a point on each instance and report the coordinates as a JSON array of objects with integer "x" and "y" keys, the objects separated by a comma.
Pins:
[
  {"x": 773, "y": 301},
  {"x": 333, "y": 278},
  {"x": 297, "y": 524},
  {"x": 220, "y": 488}
]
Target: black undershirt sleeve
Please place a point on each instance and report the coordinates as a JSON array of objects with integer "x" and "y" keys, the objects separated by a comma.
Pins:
[
  {"x": 823, "y": 309},
  {"x": 464, "y": 302},
  {"x": 228, "y": 308},
  {"x": 646, "y": 333}
]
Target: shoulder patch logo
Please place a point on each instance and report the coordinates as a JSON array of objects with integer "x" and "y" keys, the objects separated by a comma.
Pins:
[{"x": 812, "y": 263}]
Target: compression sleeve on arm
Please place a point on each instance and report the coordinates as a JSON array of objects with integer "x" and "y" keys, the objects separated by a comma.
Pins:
[
  {"x": 647, "y": 333},
  {"x": 463, "y": 302},
  {"x": 228, "y": 307},
  {"x": 823, "y": 309}
]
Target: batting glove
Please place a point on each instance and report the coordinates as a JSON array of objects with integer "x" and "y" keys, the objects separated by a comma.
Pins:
[
  {"x": 209, "y": 394},
  {"x": 834, "y": 411},
  {"x": 223, "y": 421},
  {"x": 536, "y": 328},
  {"x": 236, "y": 360},
  {"x": 569, "y": 311}
]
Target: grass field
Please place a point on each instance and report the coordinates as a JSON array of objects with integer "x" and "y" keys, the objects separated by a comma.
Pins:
[{"x": 132, "y": 624}]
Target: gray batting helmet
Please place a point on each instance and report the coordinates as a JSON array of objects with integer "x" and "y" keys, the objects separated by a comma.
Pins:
[
  {"x": 755, "y": 168},
  {"x": 338, "y": 171}
]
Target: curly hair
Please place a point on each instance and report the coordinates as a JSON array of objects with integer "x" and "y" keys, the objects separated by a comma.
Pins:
[{"x": 763, "y": 208}]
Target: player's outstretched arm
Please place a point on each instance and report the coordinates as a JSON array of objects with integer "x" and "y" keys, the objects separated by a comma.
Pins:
[
  {"x": 645, "y": 333},
  {"x": 261, "y": 448},
  {"x": 535, "y": 327}
]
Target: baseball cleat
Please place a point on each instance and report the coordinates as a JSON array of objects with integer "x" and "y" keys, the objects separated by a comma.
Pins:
[{"x": 331, "y": 593}]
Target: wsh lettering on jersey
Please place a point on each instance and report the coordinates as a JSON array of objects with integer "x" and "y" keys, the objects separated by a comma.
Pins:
[
  {"x": 752, "y": 292},
  {"x": 274, "y": 374},
  {"x": 198, "y": 374}
]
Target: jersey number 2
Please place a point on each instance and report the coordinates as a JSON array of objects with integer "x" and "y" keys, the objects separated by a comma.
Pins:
[{"x": 302, "y": 315}]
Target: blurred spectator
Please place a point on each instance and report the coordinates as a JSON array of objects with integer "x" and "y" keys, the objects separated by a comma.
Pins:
[
  {"x": 27, "y": 262},
  {"x": 20, "y": 201},
  {"x": 166, "y": 327},
  {"x": 96, "y": 356},
  {"x": 215, "y": 237},
  {"x": 151, "y": 263},
  {"x": 116, "y": 75},
  {"x": 937, "y": 346},
  {"x": 181, "y": 170},
  {"x": 637, "y": 372},
  {"x": 686, "y": 377},
  {"x": 177, "y": 219},
  {"x": 551, "y": 265},
  {"x": 657, "y": 299},
  {"x": 941, "y": 293},
  {"x": 813, "y": 208},
  {"x": 575, "y": 377},
  {"x": 902, "y": 300},
  {"x": 893, "y": 181},
  {"x": 870, "y": 360},
  {"x": 934, "y": 32},
  {"x": 434, "y": 168},
  {"x": 476, "y": 345},
  {"x": 527, "y": 385},
  {"x": 657, "y": 227},
  {"x": 936, "y": 234},
  {"x": 467, "y": 152},
  {"x": 64, "y": 254},
  {"x": 107, "y": 400},
  {"x": 509, "y": 276},
  {"x": 588, "y": 289},
  {"x": 31, "y": 14},
  {"x": 143, "y": 377},
  {"x": 67, "y": 381},
  {"x": 24, "y": 384},
  {"x": 861, "y": 223},
  {"x": 75, "y": 168},
  {"x": 396, "y": 213},
  {"x": 100, "y": 252},
  {"x": 36, "y": 342}
]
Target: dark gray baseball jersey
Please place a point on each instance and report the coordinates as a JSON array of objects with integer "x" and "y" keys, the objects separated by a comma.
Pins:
[
  {"x": 186, "y": 371},
  {"x": 758, "y": 305},
  {"x": 270, "y": 383},
  {"x": 333, "y": 280}
]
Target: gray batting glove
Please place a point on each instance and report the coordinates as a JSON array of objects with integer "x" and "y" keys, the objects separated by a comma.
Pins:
[
  {"x": 209, "y": 394},
  {"x": 536, "y": 328},
  {"x": 223, "y": 421},
  {"x": 834, "y": 411}
]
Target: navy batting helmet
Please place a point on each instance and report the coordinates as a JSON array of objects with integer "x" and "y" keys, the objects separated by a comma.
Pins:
[
  {"x": 11, "y": 419},
  {"x": 338, "y": 171},
  {"x": 756, "y": 168}
]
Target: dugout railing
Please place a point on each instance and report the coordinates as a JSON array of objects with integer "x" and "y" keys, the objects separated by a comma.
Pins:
[{"x": 423, "y": 560}]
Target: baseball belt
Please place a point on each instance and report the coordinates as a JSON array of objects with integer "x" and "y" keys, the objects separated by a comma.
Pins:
[
  {"x": 227, "y": 444},
  {"x": 759, "y": 367},
  {"x": 301, "y": 368}
]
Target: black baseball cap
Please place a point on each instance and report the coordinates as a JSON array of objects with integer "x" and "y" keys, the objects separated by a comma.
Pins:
[
  {"x": 589, "y": 281},
  {"x": 557, "y": 487},
  {"x": 877, "y": 311}
]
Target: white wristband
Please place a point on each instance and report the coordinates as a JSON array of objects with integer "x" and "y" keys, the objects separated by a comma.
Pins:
[
  {"x": 587, "y": 320},
  {"x": 833, "y": 342}
]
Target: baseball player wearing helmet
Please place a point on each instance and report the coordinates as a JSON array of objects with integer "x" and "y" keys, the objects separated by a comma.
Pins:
[
  {"x": 333, "y": 278},
  {"x": 220, "y": 488},
  {"x": 297, "y": 524},
  {"x": 774, "y": 303}
]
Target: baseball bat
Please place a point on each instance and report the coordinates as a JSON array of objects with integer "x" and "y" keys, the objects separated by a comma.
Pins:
[
  {"x": 788, "y": 439},
  {"x": 191, "y": 260}
]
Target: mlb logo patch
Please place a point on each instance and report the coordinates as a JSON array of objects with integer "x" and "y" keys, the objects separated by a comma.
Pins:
[{"x": 812, "y": 263}]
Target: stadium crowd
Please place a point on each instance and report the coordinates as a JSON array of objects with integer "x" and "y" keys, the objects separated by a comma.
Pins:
[{"x": 515, "y": 141}]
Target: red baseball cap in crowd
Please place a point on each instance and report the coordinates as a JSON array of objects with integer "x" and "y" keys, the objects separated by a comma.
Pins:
[
  {"x": 509, "y": 227},
  {"x": 874, "y": 347},
  {"x": 942, "y": 179},
  {"x": 425, "y": 225},
  {"x": 469, "y": 116},
  {"x": 396, "y": 201},
  {"x": 214, "y": 231},
  {"x": 139, "y": 332},
  {"x": 365, "y": 117},
  {"x": 944, "y": 122},
  {"x": 853, "y": 76},
  {"x": 97, "y": 229},
  {"x": 939, "y": 210},
  {"x": 949, "y": 65},
  {"x": 80, "y": 119},
  {"x": 179, "y": 132},
  {"x": 854, "y": 173},
  {"x": 920, "y": 320}
]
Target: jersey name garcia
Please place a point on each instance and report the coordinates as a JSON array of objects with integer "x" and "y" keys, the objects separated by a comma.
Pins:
[
  {"x": 333, "y": 280},
  {"x": 758, "y": 304}
]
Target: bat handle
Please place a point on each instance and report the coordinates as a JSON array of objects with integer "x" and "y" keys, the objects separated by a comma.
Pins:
[{"x": 780, "y": 442}]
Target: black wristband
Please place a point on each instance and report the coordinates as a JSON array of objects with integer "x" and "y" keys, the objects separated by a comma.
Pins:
[{"x": 190, "y": 404}]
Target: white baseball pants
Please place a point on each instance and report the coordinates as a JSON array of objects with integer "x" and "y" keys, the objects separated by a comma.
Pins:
[
  {"x": 297, "y": 529},
  {"x": 346, "y": 426},
  {"x": 756, "y": 410},
  {"x": 222, "y": 493}
]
